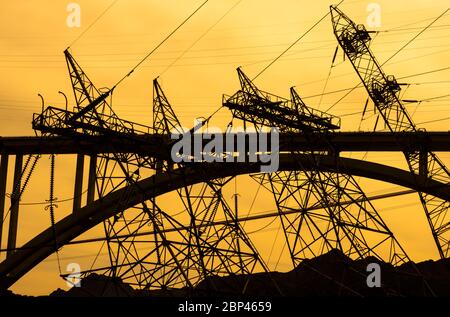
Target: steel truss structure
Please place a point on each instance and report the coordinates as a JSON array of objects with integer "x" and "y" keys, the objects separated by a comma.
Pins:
[
  {"x": 384, "y": 92},
  {"x": 176, "y": 255},
  {"x": 149, "y": 245},
  {"x": 356, "y": 229}
]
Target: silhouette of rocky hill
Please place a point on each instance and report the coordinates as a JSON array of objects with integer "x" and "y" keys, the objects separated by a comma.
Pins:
[{"x": 332, "y": 274}]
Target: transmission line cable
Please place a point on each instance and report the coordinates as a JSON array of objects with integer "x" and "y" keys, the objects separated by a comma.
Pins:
[
  {"x": 392, "y": 56},
  {"x": 160, "y": 44},
  {"x": 199, "y": 38},
  {"x": 93, "y": 22},
  {"x": 416, "y": 36},
  {"x": 295, "y": 42}
]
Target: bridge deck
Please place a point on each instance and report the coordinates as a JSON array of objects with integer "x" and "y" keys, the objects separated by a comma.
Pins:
[{"x": 342, "y": 141}]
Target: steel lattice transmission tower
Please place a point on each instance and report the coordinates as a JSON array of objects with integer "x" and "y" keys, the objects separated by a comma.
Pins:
[
  {"x": 346, "y": 219},
  {"x": 171, "y": 254},
  {"x": 384, "y": 92}
]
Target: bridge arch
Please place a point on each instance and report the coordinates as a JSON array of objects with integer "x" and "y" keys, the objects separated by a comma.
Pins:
[{"x": 40, "y": 247}]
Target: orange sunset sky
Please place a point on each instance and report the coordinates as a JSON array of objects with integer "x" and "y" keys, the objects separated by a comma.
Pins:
[{"x": 250, "y": 33}]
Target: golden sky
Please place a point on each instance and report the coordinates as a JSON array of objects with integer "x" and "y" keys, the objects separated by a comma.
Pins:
[{"x": 33, "y": 35}]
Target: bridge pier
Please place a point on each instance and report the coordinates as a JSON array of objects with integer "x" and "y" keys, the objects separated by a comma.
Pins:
[
  {"x": 14, "y": 210},
  {"x": 3, "y": 178},
  {"x": 77, "y": 194}
]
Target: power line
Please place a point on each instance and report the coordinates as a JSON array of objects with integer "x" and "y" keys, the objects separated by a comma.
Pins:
[
  {"x": 401, "y": 61},
  {"x": 93, "y": 22},
  {"x": 161, "y": 43},
  {"x": 444, "y": 26},
  {"x": 266, "y": 214},
  {"x": 56, "y": 200},
  {"x": 428, "y": 99},
  {"x": 344, "y": 96},
  {"x": 201, "y": 36},
  {"x": 203, "y": 49},
  {"x": 263, "y": 227},
  {"x": 416, "y": 36},
  {"x": 403, "y": 77},
  {"x": 258, "y": 26},
  {"x": 430, "y": 82},
  {"x": 38, "y": 58},
  {"x": 295, "y": 42},
  {"x": 257, "y": 216},
  {"x": 327, "y": 93},
  {"x": 426, "y": 73},
  {"x": 392, "y": 56},
  {"x": 436, "y": 120}
]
